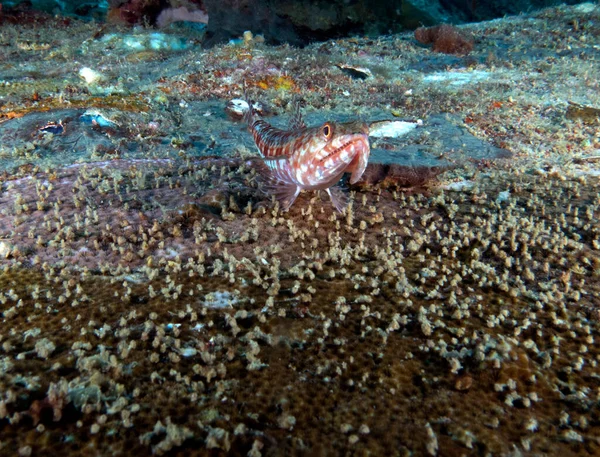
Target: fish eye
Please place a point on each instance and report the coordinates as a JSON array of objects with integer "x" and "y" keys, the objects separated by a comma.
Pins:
[{"x": 327, "y": 131}]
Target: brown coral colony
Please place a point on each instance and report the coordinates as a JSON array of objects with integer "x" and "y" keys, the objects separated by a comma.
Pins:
[{"x": 156, "y": 299}]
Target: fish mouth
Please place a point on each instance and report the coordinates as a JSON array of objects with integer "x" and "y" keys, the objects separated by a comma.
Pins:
[{"x": 359, "y": 142}]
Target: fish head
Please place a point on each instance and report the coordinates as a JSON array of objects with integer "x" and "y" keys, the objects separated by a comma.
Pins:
[{"x": 332, "y": 149}]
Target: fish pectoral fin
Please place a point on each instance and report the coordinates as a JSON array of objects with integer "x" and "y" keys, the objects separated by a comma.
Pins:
[
  {"x": 285, "y": 193},
  {"x": 273, "y": 169},
  {"x": 358, "y": 166},
  {"x": 339, "y": 198}
]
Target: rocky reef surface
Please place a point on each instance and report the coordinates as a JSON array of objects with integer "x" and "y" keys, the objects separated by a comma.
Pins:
[
  {"x": 154, "y": 299},
  {"x": 281, "y": 21}
]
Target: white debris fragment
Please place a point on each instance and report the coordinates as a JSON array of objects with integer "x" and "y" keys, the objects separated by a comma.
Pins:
[
  {"x": 503, "y": 196},
  {"x": 392, "y": 129},
  {"x": 460, "y": 185},
  {"x": 198, "y": 327},
  {"x": 219, "y": 300},
  {"x": 5, "y": 249},
  {"x": 432, "y": 441},
  {"x": 455, "y": 78},
  {"x": 188, "y": 352},
  {"x": 90, "y": 76},
  {"x": 155, "y": 41},
  {"x": 588, "y": 172},
  {"x": 585, "y": 8}
]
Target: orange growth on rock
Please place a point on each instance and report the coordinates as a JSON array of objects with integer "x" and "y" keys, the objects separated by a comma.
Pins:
[
  {"x": 283, "y": 82},
  {"x": 445, "y": 38}
]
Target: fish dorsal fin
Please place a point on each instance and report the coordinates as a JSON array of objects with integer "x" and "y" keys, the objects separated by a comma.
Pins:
[
  {"x": 296, "y": 122},
  {"x": 248, "y": 116}
]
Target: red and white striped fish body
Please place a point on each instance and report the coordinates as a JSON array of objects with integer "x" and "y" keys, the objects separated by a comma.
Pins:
[{"x": 312, "y": 158}]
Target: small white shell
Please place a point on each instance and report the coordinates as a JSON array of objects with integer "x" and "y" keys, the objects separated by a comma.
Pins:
[
  {"x": 238, "y": 107},
  {"x": 355, "y": 72}
]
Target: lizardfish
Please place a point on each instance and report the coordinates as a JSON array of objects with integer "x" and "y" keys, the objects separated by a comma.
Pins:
[{"x": 310, "y": 158}]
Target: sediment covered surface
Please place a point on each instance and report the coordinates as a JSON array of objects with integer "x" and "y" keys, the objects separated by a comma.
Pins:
[{"x": 155, "y": 299}]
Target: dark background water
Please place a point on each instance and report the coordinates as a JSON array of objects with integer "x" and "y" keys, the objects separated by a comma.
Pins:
[{"x": 281, "y": 21}]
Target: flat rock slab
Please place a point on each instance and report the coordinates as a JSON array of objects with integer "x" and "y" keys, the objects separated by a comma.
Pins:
[
  {"x": 203, "y": 128},
  {"x": 440, "y": 142}
]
